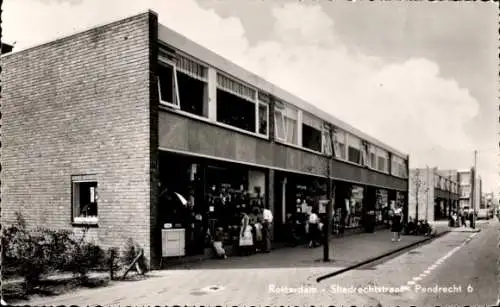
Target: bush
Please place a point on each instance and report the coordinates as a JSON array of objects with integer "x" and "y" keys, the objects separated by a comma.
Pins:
[
  {"x": 82, "y": 256},
  {"x": 27, "y": 253},
  {"x": 32, "y": 254}
]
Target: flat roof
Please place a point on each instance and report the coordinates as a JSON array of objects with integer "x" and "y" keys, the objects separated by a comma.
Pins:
[{"x": 182, "y": 43}]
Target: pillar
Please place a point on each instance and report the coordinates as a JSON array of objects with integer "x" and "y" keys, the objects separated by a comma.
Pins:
[{"x": 270, "y": 195}]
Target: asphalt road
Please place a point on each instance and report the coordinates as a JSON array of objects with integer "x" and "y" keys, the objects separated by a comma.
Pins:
[{"x": 474, "y": 268}]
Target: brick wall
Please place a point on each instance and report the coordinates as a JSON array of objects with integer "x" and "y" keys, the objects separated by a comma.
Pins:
[{"x": 81, "y": 105}]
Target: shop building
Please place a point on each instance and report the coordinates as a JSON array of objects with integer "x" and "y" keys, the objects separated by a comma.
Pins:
[
  {"x": 434, "y": 192},
  {"x": 106, "y": 128}
]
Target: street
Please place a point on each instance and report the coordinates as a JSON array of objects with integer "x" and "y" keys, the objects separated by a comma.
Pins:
[{"x": 438, "y": 273}]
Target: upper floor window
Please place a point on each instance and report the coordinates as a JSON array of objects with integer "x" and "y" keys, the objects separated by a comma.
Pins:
[
  {"x": 354, "y": 145},
  {"x": 340, "y": 149},
  {"x": 183, "y": 83},
  {"x": 312, "y": 128},
  {"x": 286, "y": 123},
  {"x": 373, "y": 157},
  {"x": 327, "y": 140},
  {"x": 398, "y": 167},
  {"x": 382, "y": 160},
  {"x": 236, "y": 104},
  {"x": 263, "y": 112}
]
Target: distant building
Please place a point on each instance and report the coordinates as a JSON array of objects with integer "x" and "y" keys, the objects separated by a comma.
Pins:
[
  {"x": 435, "y": 191},
  {"x": 465, "y": 180}
]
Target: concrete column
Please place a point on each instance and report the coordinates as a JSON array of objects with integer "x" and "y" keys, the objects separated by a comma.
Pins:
[{"x": 270, "y": 196}]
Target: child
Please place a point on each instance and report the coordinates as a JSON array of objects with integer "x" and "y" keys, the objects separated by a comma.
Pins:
[{"x": 217, "y": 244}]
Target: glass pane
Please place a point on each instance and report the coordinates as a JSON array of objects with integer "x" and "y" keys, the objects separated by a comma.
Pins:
[
  {"x": 167, "y": 84},
  {"x": 354, "y": 155},
  {"x": 263, "y": 119},
  {"x": 279, "y": 125},
  {"x": 291, "y": 130}
]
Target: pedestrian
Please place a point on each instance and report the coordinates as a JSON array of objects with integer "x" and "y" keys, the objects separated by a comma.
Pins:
[
  {"x": 396, "y": 224},
  {"x": 267, "y": 217},
  {"x": 217, "y": 244},
  {"x": 313, "y": 223},
  {"x": 246, "y": 237}
]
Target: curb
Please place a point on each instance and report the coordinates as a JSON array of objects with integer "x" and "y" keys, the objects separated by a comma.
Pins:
[{"x": 394, "y": 251}]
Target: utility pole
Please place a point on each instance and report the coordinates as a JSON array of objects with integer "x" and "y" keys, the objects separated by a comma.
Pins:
[
  {"x": 417, "y": 188},
  {"x": 331, "y": 196},
  {"x": 427, "y": 194},
  {"x": 473, "y": 190}
]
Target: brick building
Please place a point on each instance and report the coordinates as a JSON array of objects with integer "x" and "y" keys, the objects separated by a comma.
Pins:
[
  {"x": 99, "y": 124},
  {"x": 437, "y": 192}
]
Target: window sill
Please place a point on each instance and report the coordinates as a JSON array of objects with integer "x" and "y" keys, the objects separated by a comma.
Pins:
[
  {"x": 85, "y": 224},
  {"x": 211, "y": 122},
  {"x": 299, "y": 147}
]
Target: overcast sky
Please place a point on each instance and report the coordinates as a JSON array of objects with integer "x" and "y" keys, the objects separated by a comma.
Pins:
[{"x": 419, "y": 76}]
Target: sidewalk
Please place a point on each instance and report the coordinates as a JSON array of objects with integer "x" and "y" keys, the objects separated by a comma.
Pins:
[{"x": 241, "y": 280}]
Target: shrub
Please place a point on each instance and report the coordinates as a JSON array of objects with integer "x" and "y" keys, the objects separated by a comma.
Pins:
[
  {"x": 25, "y": 252},
  {"x": 32, "y": 254},
  {"x": 82, "y": 257}
]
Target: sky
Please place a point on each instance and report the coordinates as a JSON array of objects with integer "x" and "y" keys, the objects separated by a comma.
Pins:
[{"x": 419, "y": 76}]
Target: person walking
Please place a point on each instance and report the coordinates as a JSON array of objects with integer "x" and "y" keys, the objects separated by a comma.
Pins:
[
  {"x": 246, "y": 237},
  {"x": 267, "y": 217},
  {"x": 396, "y": 224},
  {"x": 313, "y": 223}
]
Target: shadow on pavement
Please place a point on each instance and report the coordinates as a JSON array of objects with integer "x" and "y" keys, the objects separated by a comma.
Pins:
[{"x": 344, "y": 252}]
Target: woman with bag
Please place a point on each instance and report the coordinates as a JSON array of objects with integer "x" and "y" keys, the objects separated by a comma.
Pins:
[
  {"x": 396, "y": 224},
  {"x": 246, "y": 236}
]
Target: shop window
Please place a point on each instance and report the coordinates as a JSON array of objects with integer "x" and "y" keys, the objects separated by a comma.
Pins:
[
  {"x": 286, "y": 123},
  {"x": 84, "y": 202},
  {"x": 354, "y": 149},
  {"x": 236, "y": 104},
  {"x": 340, "y": 144},
  {"x": 183, "y": 84}
]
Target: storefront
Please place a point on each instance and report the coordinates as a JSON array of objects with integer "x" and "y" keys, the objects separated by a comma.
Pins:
[
  {"x": 382, "y": 207},
  {"x": 216, "y": 193},
  {"x": 295, "y": 197}
]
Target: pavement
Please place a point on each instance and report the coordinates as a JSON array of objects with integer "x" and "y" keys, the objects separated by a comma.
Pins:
[{"x": 284, "y": 276}]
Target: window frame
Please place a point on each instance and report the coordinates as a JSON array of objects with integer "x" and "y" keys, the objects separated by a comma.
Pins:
[
  {"x": 236, "y": 80},
  {"x": 176, "y": 104},
  {"x": 76, "y": 208},
  {"x": 326, "y": 140},
  {"x": 354, "y": 142},
  {"x": 285, "y": 109},
  {"x": 381, "y": 153},
  {"x": 280, "y": 109},
  {"x": 257, "y": 118},
  {"x": 343, "y": 133}
]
